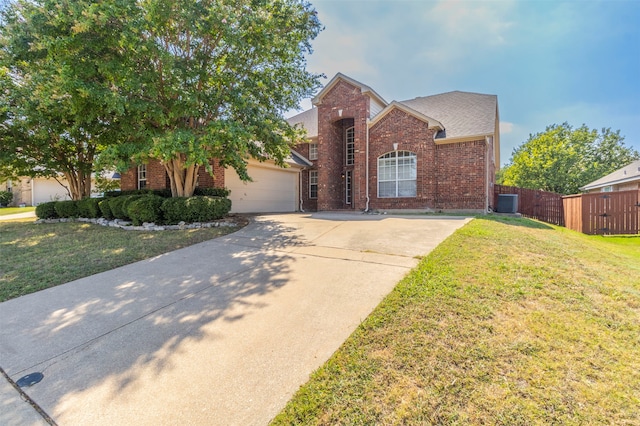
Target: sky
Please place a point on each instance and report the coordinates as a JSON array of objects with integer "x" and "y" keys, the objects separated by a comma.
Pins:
[{"x": 548, "y": 62}]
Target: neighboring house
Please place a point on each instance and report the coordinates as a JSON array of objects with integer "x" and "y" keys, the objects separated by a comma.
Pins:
[
  {"x": 34, "y": 191},
  {"x": 431, "y": 153},
  {"x": 624, "y": 179}
]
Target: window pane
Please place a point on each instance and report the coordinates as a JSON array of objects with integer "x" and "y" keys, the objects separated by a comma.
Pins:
[
  {"x": 387, "y": 189},
  {"x": 407, "y": 188}
]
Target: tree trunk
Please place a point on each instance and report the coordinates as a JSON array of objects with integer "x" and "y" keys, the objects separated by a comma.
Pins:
[
  {"x": 79, "y": 185},
  {"x": 183, "y": 178}
]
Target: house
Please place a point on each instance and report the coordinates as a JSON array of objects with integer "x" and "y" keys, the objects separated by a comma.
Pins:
[
  {"x": 33, "y": 191},
  {"x": 624, "y": 179},
  {"x": 433, "y": 153}
]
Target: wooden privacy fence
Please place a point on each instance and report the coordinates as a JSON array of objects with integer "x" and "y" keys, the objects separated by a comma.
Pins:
[
  {"x": 540, "y": 205},
  {"x": 603, "y": 212}
]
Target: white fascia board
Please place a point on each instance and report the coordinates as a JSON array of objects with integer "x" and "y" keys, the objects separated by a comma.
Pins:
[{"x": 471, "y": 138}]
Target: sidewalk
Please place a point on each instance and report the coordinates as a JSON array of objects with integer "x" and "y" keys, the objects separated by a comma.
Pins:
[{"x": 18, "y": 216}]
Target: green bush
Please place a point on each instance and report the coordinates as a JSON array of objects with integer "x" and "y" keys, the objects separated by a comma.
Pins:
[
  {"x": 66, "y": 209},
  {"x": 128, "y": 199},
  {"x": 105, "y": 210},
  {"x": 6, "y": 198},
  {"x": 212, "y": 192},
  {"x": 115, "y": 205},
  {"x": 165, "y": 193},
  {"x": 195, "y": 209},
  {"x": 146, "y": 209},
  {"x": 89, "y": 208},
  {"x": 46, "y": 210}
]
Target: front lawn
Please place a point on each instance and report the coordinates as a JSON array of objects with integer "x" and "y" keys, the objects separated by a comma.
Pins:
[
  {"x": 39, "y": 256},
  {"x": 509, "y": 322}
]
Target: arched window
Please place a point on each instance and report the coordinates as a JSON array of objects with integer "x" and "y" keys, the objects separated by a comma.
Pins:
[{"x": 397, "y": 172}]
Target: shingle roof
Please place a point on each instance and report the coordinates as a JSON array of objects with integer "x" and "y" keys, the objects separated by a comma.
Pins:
[
  {"x": 308, "y": 119},
  {"x": 461, "y": 113},
  {"x": 628, "y": 173}
]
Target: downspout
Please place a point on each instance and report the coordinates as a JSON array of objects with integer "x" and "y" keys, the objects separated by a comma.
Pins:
[
  {"x": 300, "y": 185},
  {"x": 366, "y": 170},
  {"x": 33, "y": 193},
  {"x": 486, "y": 198}
]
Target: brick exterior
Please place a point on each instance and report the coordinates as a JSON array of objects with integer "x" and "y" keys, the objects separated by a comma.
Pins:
[
  {"x": 308, "y": 204},
  {"x": 450, "y": 176},
  {"x": 157, "y": 177}
]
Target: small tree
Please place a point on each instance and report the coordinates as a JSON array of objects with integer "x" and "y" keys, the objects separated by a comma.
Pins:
[{"x": 562, "y": 159}]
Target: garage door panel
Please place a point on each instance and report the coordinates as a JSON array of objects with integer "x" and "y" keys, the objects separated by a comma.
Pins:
[{"x": 272, "y": 190}]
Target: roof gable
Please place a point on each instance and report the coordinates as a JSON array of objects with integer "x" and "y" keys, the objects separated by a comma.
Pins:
[
  {"x": 433, "y": 123},
  {"x": 366, "y": 90}
]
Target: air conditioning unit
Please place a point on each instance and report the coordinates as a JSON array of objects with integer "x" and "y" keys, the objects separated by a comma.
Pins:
[{"x": 507, "y": 203}]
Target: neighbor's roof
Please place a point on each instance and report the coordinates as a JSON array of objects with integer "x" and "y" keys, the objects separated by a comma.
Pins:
[
  {"x": 462, "y": 114},
  {"x": 309, "y": 120},
  {"x": 628, "y": 173}
]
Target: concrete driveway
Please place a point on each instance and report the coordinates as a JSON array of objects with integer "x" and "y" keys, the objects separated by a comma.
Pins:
[{"x": 223, "y": 332}]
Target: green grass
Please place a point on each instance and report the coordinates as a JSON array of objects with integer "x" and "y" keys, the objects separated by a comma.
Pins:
[
  {"x": 13, "y": 210},
  {"x": 508, "y": 322},
  {"x": 39, "y": 256}
]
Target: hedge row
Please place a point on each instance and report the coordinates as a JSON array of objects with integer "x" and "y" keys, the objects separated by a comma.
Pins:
[{"x": 140, "y": 208}]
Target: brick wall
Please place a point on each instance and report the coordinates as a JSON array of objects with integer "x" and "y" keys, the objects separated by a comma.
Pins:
[
  {"x": 308, "y": 204},
  {"x": 461, "y": 175},
  {"x": 157, "y": 177},
  {"x": 339, "y": 106},
  {"x": 411, "y": 134}
]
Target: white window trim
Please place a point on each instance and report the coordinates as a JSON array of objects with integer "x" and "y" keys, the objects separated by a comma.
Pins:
[
  {"x": 349, "y": 141},
  {"x": 142, "y": 175},
  {"x": 397, "y": 180},
  {"x": 313, "y": 151},
  {"x": 314, "y": 172}
]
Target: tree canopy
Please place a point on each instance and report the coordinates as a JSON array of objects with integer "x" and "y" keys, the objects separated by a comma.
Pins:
[
  {"x": 178, "y": 81},
  {"x": 562, "y": 159},
  {"x": 59, "y": 102},
  {"x": 214, "y": 80}
]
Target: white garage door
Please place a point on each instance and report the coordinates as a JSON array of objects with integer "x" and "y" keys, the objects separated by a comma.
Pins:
[{"x": 272, "y": 190}]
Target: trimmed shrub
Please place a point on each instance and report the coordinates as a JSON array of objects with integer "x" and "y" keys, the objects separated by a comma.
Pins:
[
  {"x": 46, "y": 210},
  {"x": 195, "y": 209},
  {"x": 105, "y": 209},
  {"x": 212, "y": 192},
  {"x": 88, "y": 208},
  {"x": 128, "y": 199},
  {"x": 68, "y": 208},
  {"x": 146, "y": 209},
  {"x": 115, "y": 204},
  {"x": 166, "y": 193}
]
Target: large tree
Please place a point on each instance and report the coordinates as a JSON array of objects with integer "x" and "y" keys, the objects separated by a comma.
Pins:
[
  {"x": 214, "y": 80},
  {"x": 60, "y": 76},
  {"x": 562, "y": 159}
]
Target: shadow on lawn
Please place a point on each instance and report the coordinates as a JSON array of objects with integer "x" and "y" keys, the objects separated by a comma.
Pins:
[{"x": 517, "y": 221}]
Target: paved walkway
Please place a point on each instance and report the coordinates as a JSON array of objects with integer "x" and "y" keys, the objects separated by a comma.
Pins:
[
  {"x": 24, "y": 215},
  {"x": 223, "y": 332}
]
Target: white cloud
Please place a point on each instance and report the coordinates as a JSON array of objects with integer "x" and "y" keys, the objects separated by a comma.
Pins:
[{"x": 506, "y": 127}]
